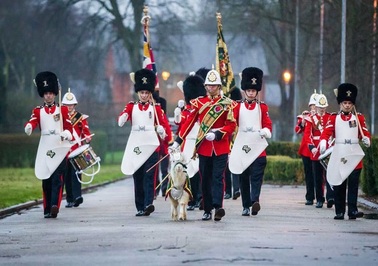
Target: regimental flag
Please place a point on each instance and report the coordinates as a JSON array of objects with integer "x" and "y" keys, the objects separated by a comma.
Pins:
[
  {"x": 223, "y": 64},
  {"x": 148, "y": 56}
]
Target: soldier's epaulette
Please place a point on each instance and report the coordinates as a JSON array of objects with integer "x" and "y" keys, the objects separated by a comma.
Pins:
[
  {"x": 39, "y": 107},
  {"x": 333, "y": 113},
  {"x": 157, "y": 103}
]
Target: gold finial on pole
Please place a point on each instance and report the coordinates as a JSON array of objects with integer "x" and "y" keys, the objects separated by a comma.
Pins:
[
  {"x": 146, "y": 18},
  {"x": 219, "y": 18}
]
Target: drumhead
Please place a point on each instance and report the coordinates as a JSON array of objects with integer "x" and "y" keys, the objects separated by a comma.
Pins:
[
  {"x": 78, "y": 151},
  {"x": 326, "y": 153}
]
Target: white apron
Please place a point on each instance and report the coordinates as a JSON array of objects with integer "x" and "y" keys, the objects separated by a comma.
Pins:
[
  {"x": 346, "y": 153},
  {"x": 142, "y": 142},
  {"x": 248, "y": 143},
  {"x": 51, "y": 149},
  {"x": 190, "y": 143}
]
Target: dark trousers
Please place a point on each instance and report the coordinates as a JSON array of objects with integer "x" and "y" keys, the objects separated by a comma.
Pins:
[
  {"x": 53, "y": 188},
  {"x": 309, "y": 178},
  {"x": 232, "y": 182},
  {"x": 72, "y": 184},
  {"x": 164, "y": 164},
  {"x": 340, "y": 193},
  {"x": 211, "y": 170},
  {"x": 320, "y": 179},
  {"x": 318, "y": 175},
  {"x": 144, "y": 183},
  {"x": 196, "y": 190},
  {"x": 251, "y": 181}
]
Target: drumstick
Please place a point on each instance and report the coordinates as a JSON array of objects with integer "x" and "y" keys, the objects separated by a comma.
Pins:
[
  {"x": 162, "y": 181},
  {"x": 80, "y": 140},
  {"x": 358, "y": 122}
]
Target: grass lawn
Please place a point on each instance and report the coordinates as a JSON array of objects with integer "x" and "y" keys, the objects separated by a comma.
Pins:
[{"x": 19, "y": 185}]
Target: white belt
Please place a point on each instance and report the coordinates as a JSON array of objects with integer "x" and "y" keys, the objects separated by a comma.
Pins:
[
  {"x": 346, "y": 141},
  {"x": 316, "y": 137},
  {"x": 47, "y": 132},
  {"x": 142, "y": 128}
]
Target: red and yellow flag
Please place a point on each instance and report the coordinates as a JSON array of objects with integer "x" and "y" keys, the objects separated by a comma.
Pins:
[
  {"x": 223, "y": 64},
  {"x": 148, "y": 55}
]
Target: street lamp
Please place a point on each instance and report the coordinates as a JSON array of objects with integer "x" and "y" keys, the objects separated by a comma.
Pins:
[
  {"x": 287, "y": 77},
  {"x": 165, "y": 75}
]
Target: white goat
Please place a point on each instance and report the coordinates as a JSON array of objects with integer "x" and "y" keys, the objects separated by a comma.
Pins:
[{"x": 179, "y": 191}]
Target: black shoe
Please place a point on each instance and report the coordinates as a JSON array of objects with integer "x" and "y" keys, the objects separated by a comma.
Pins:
[
  {"x": 236, "y": 195},
  {"x": 255, "y": 208},
  {"x": 139, "y": 213},
  {"x": 78, "y": 201},
  {"x": 206, "y": 216},
  {"x": 190, "y": 208},
  {"x": 309, "y": 202},
  {"x": 227, "y": 196},
  {"x": 339, "y": 216},
  {"x": 319, "y": 204},
  {"x": 355, "y": 214},
  {"x": 69, "y": 205},
  {"x": 245, "y": 212},
  {"x": 330, "y": 203},
  {"x": 149, "y": 209},
  {"x": 219, "y": 213},
  {"x": 54, "y": 211},
  {"x": 47, "y": 215}
]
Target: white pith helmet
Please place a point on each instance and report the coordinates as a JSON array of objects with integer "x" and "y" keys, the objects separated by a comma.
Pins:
[
  {"x": 69, "y": 98},
  {"x": 313, "y": 99},
  {"x": 213, "y": 78},
  {"x": 321, "y": 101}
]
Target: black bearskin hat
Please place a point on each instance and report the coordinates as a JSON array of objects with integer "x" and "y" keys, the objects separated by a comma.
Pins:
[
  {"x": 346, "y": 92},
  {"x": 193, "y": 87},
  {"x": 202, "y": 72},
  {"x": 144, "y": 79},
  {"x": 252, "y": 78},
  {"x": 46, "y": 82},
  {"x": 236, "y": 95}
]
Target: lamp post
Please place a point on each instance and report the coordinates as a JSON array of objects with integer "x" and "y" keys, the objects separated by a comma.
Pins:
[{"x": 287, "y": 77}]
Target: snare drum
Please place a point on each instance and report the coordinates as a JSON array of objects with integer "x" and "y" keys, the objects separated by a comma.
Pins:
[
  {"x": 83, "y": 158},
  {"x": 324, "y": 158}
]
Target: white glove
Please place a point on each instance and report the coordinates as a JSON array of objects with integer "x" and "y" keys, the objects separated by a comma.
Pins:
[
  {"x": 28, "y": 129},
  {"x": 366, "y": 141},
  {"x": 177, "y": 115},
  {"x": 323, "y": 146},
  {"x": 314, "y": 151},
  {"x": 66, "y": 135},
  {"x": 264, "y": 132},
  {"x": 173, "y": 147},
  {"x": 161, "y": 131},
  {"x": 210, "y": 136},
  {"x": 181, "y": 103},
  {"x": 122, "y": 119}
]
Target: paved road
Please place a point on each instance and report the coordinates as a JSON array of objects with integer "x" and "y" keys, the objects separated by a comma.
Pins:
[{"x": 104, "y": 231}]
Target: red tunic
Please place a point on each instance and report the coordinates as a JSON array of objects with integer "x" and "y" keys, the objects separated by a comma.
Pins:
[
  {"x": 162, "y": 118},
  {"x": 224, "y": 123},
  {"x": 35, "y": 117},
  {"x": 265, "y": 119},
  {"x": 329, "y": 130},
  {"x": 313, "y": 129}
]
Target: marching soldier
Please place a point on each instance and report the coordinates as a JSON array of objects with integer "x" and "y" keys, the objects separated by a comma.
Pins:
[
  {"x": 192, "y": 87},
  {"x": 303, "y": 150},
  {"x": 80, "y": 131},
  {"x": 56, "y": 132},
  {"x": 248, "y": 156},
  {"x": 215, "y": 116},
  {"x": 312, "y": 133},
  {"x": 148, "y": 123},
  {"x": 345, "y": 163}
]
